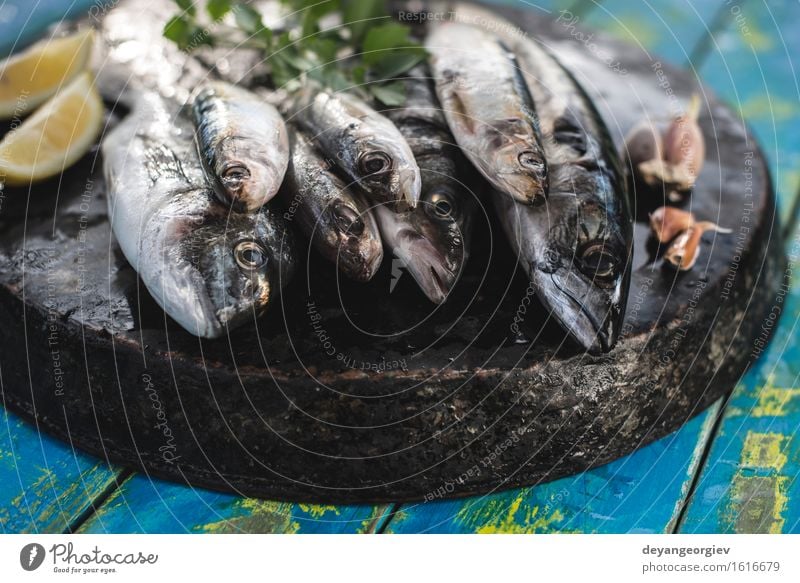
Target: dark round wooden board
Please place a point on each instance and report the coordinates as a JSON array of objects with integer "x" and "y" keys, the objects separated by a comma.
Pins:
[{"x": 400, "y": 400}]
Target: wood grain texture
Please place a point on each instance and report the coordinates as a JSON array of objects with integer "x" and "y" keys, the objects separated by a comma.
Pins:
[
  {"x": 753, "y": 64},
  {"x": 142, "y": 505},
  {"x": 45, "y": 486},
  {"x": 661, "y": 29},
  {"x": 749, "y": 483},
  {"x": 22, "y": 22},
  {"x": 639, "y": 493}
]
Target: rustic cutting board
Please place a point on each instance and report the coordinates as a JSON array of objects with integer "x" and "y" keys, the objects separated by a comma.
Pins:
[{"x": 352, "y": 392}]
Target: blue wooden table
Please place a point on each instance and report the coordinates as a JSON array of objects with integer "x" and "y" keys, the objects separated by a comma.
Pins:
[{"x": 734, "y": 468}]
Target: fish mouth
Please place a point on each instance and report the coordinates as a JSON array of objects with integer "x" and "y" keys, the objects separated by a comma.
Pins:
[
  {"x": 359, "y": 250},
  {"x": 524, "y": 189},
  {"x": 236, "y": 313},
  {"x": 373, "y": 264},
  {"x": 436, "y": 283},
  {"x": 583, "y": 311},
  {"x": 361, "y": 259},
  {"x": 178, "y": 287},
  {"x": 410, "y": 184},
  {"x": 427, "y": 265},
  {"x": 198, "y": 315},
  {"x": 255, "y": 191},
  {"x": 244, "y": 201}
]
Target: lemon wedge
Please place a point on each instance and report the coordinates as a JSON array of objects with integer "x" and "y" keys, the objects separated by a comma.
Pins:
[
  {"x": 56, "y": 136},
  {"x": 30, "y": 78}
]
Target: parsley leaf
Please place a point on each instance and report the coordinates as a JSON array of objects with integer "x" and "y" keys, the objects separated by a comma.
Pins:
[{"x": 364, "y": 54}]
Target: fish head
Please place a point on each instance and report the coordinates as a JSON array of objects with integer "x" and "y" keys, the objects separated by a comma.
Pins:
[
  {"x": 520, "y": 165},
  {"x": 251, "y": 264},
  {"x": 431, "y": 240},
  {"x": 522, "y": 172},
  {"x": 246, "y": 179},
  {"x": 386, "y": 170},
  {"x": 582, "y": 271},
  {"x": 224, "y": 268},
  {"x": 350, "y": 227}
]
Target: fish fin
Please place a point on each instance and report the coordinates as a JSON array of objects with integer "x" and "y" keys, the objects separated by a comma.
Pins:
[{"x": 461, "y": 117}]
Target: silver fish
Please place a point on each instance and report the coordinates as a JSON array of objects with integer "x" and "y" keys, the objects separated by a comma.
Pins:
[
  {"x": 576, "y": 248},
  {"x": 242, "y": 143},
  {"x": 489, "y": 109},
  {"x": 432, "y": 241},
  {"x": 367, "y": 147},
  {"x": 337, "y": 221},
  {"x": 210, "y": 269}
]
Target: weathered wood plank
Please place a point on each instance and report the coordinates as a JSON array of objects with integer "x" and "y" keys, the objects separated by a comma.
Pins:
[
  {"x": 45, "y": 485},
  {"x": 662, "y": 29},
  {"x": 142, "y": 505},
  {"x": 748, "y": 62},
  {"x": 752, "y": 64},
  {"x": 750, "y": 480},
  {"x": 639, "y": 493},
  {"x": 23, "y": 22}
]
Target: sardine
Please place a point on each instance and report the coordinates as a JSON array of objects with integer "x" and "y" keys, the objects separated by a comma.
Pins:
[
  {"x": 337, "y": 220},
  {"x": 367, "y": 147},
  {"x": 489, "y": 109},
  {"x": 576, "y": 248},
  {"x": 432, "y": 241},
  {"x": 242, "y": 144},
  {"x": 209, "y": 268}
]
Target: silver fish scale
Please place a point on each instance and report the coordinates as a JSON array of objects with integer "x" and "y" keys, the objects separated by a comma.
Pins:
[
  {"x": 489, "y": 109},
  {"x": 181, "y": 241},
  {"x": 577, "y": 247},
  {"x": 350, "y": 131},
  {"x": 243, "y": 144}
]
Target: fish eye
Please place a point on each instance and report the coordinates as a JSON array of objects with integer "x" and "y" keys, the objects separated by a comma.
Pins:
[
  {"x": 250, "y": 255},
  {"x": 599, "y": 263},
  {"x": 348, "y": 220},
  {"x": 233, "y": 175},
  {"x": 530, "y": 160},
  {"x": 374, "y": 163},
  {"x": 442, "y": 206}
]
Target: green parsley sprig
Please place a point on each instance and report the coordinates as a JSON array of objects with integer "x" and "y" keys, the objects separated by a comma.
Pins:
[{"x": 363, "y": 53}]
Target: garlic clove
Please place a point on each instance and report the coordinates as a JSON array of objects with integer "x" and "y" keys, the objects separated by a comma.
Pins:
[
  {"x": 657, "y": 173},
  {"x": 684, "y": 250},
  {"x": 684, "y": 145},
  {"x": 643, "y": 143},
  {"x": 667, "y": 222}
]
